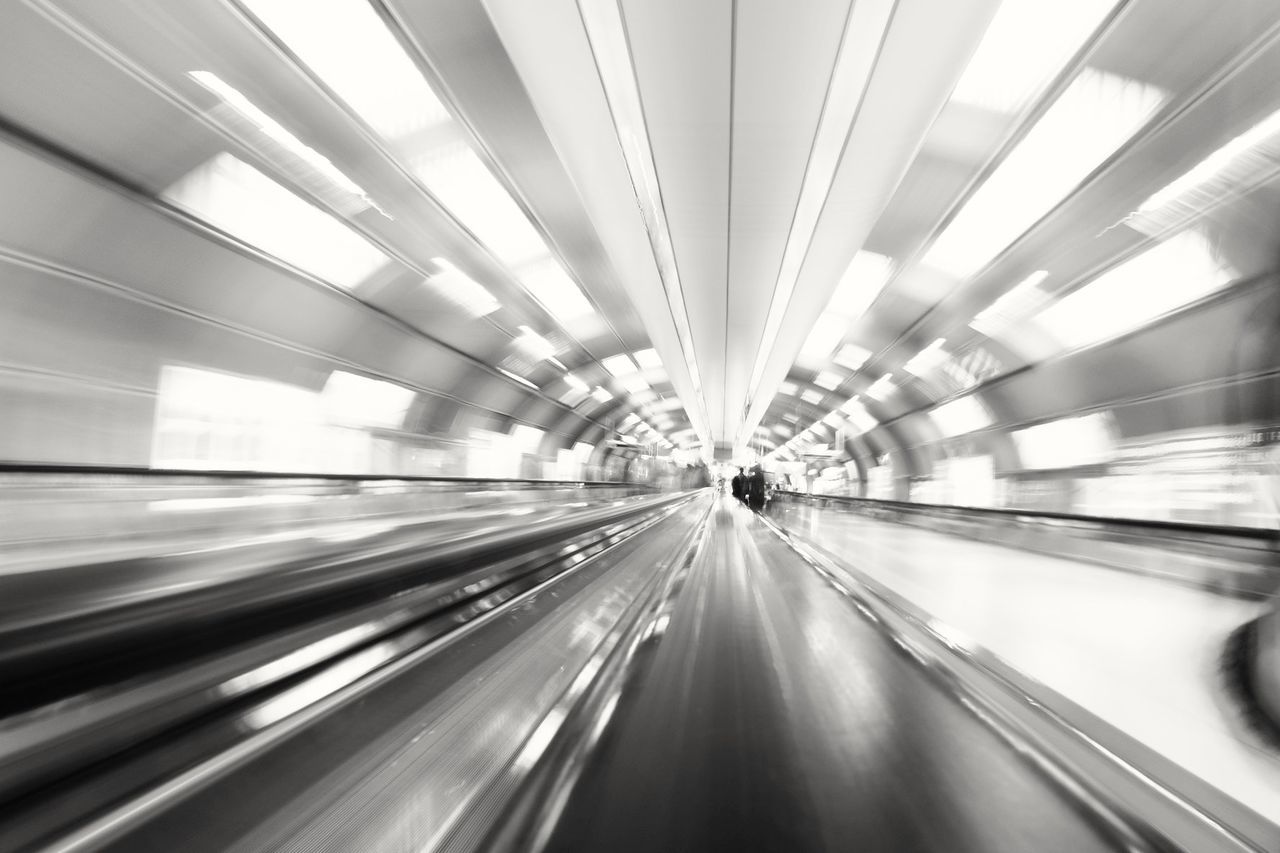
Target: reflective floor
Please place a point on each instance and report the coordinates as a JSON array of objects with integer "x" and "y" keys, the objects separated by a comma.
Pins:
[
  {"x": 1139, "y": 653},
  {"x": 742, "y": 700},
  {"x": 773, "y": 717}
]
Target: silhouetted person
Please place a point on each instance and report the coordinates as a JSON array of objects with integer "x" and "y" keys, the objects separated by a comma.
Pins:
[
  {"x": 737, "y": 486},
  {"x": 755, "y": 488}
]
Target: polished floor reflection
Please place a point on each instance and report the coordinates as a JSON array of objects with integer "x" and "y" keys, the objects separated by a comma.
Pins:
[{"x": 773, "y": 717}]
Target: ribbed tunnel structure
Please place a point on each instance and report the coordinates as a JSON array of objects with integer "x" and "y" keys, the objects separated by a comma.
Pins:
[{"x": 379, "y": 380}]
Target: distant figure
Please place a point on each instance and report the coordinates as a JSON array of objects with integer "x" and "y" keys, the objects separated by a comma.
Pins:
[
  {"x": 737, "y": 486},
  {"x": 755, "y": 488}
]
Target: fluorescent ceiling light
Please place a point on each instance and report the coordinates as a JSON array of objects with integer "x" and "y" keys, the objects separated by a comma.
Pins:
[
  {"x": 1065, "y": 443},
  {"x": 823, "y": 338},
  {"x": 534, "y": 345},
  {"x": 619, "y": 365},
  {"x": 352, "y": 400},
  {"x": 859, "y": 415},
  {"x": 1240, "y": 165},
  {"x": 464, "y": 184},
  {"x": 601, "y": 395},
  {"x": 863, "y": 279},
  {"x": 1088, "y": 122},
  {"x": 1026, "y": 44},
  {"x": 647, "y": 359},
  {"x": 350, "y": 48},
  {"x": 634, "y": 383},
  {"x": 1011, "y": 308},
  {"x": 238, "y": 199},
  {"x": 834, "y": 418},
  {"x": 852, "y": 356},
  {"x": 828, "y": 379},
  {"x": 928, "y": 359},
  {"x": 517, "y": 378},
  {"x": 882, "y": 387},
  {"x": 1174, "y": 273},
  {"x": 459, "y": 289},
  {"x": 576, "y": 384},
  {"x": 961, "y": 415},
  {"x": 864, "y": 28},
  {"x": 811, "y": 396},
  {"x": 551, "y": 286},
  {"x": 788, "y": 388},
  {"x": 275, "y": 131}
]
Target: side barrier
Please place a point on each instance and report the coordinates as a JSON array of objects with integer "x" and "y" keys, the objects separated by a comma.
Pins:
[{"x": 1232, "y": 560}]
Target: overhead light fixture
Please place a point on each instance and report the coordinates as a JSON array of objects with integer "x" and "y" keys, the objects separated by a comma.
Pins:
[
  {"x": 1013, "y": 307},
  {"x": 928, "y": 359},
  {"x": 834, "y": 418},
  {"x": 459, "y": 289},
  {"x": 864, "y": 28},
  {"x": 1229, "y": 172},
  {"x": 352, "y": 51},
  {"x": 863, "y": 279},
  {"x": 231, "y": 195},
  {"x": 1026, "y": 44},
  {"x": 272, "y": 129},
  {"x": 859, "y": 416},
  {"x": 619, "y": 365},
  {"x": 601, "y": 395},
  {"x": 811, "y": 396},
  {"x": 852, "y": 357},
  {"x": 1087, "y": 123},
  {"x": 788, "y": 388},
  {"x": 647, "y": 359},
  {"x": 882, "y": 387},
  {"x": 823, "y": 338},
  {"x": 634, "y": 383},
  {"x": 1162, "y": 279},
  {"x": 576, "y": 384},
  {"x": 828, "y": 379},
  {"x": 534, "y": 345},
  {"x": 552, "y": 287},
  {"x": 517, "y": 378}
]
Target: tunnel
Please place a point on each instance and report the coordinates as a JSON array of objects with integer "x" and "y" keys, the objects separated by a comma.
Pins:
[{"x": 610, "y": 425}]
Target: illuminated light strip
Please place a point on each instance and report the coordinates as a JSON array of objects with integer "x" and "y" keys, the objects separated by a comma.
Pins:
[
  {"x": 277, "y": 132},
  {"x": 520, "y": 379},
  {"x": 849, "y": 80},
  {"x": 1012, "y": 307},
  {"x": 352, "y": 51},
  {"x": 1230, "y": 171},
  {"x": 882, "y": 387},
  {"x": 607, "y": 36},
  {"x": 928, "y": 359},
  {"x": 1026, "y": 44},
  {"x": 1086, "y": 124}
]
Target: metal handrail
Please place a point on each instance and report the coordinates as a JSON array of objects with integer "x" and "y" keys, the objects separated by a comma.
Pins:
[{"x": 1200, "y": 530}]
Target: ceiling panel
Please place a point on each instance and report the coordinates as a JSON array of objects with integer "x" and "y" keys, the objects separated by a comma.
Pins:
[
  {"x": 783, "y": 59},
  {"x": 681, "y": 54}
]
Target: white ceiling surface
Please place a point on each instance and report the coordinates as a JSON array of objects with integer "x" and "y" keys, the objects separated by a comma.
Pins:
[
  {"x": 548, "y": 46},
  {"x": 761, "y": 69},
  {"x": 681, "y": 54}
]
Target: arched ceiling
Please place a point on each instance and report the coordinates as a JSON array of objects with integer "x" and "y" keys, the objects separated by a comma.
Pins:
[{"x": 727, "y": 224}]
